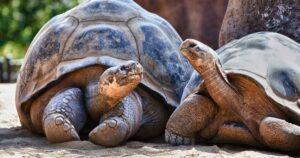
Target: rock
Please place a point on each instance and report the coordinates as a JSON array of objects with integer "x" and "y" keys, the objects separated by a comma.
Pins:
[{"x": 245, "y": 17}]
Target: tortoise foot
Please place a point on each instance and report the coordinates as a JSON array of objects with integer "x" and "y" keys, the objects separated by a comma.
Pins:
[
  {"x": 59, "y": 129},
  {"x": 175, "y": 139},
  {"x": 279, "y": 134},
  {"x": 64, "y": 116},
  {"x": 110, "y": 133},
  {"x": 119, "y": 124}
]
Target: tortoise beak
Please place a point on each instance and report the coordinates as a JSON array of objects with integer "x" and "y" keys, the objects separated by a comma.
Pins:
[{"x": 188, "y": 49}]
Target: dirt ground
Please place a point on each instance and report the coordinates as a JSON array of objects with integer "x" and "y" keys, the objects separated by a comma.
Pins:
[{"x": 18, "y": 142}]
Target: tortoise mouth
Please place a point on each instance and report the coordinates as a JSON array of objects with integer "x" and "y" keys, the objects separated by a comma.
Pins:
[
  {"x": 129, "y": 78},
  {"x": 189, "y": 54}
]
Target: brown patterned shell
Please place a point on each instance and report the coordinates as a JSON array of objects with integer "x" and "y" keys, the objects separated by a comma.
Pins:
[{"x": 101, "y": 32}]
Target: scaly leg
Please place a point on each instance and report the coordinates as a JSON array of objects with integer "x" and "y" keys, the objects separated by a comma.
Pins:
[
  {"x": 235, "y": 133},
  {"x": 119, "y": 124},
  {"x": 279, "y": 134},
  {"x": 190, "y": 117},
  {"x": 114, "y": 84},
  {"x": 64, "y": 116}
]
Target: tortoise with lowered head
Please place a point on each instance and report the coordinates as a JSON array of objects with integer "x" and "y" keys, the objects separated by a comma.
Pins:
[
  {"x": 248, "y": 93},
  {"x": 103, "y": 61}
]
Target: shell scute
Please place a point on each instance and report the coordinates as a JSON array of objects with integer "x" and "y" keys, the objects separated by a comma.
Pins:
[{"x": 99, "y": 40}]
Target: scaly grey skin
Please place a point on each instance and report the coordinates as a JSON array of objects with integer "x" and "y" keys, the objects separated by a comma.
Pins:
[
  {"x": 114, "y": 84},
  {"x": 64, "y": 116},
  {"x": 188, "y": 119},
  {"x": 122, "y": 109},
  {"x": 260, "y": 128},
  {"x": 138, "y": 116},
  {"x": 120, "y": 123},
  {"x": 114, "y": 101}
]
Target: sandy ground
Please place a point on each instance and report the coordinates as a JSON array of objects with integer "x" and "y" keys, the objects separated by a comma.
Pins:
[{"x": 18, "y": 142}]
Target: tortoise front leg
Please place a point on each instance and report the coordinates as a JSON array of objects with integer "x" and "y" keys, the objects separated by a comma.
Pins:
[
  {"x": 193, "y": 115},
  {"x": 64, "y": 116},
  {"x": 119, "y": 124},
  {"x": 279, "y": 134},
  {"x": 114, "y": 84}
]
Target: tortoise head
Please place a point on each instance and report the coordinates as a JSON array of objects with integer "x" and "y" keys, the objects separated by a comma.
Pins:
[
  {"x": 198, "y": 54},
  {"x": 129, "y": 73}
]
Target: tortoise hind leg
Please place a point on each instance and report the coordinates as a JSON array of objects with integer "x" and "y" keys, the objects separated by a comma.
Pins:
[
  {"x": 120, "y": 123},
  {"x": 64, "y": 116},
  {"x": 235, "y": 133},
  {"x": 279, "y": 134},
  {"x": 192, "y": 116}
]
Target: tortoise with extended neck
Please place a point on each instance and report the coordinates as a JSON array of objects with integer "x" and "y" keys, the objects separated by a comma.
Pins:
[
  {"x": 249, "y": 94},
  {"x": 108, "y": 62}
]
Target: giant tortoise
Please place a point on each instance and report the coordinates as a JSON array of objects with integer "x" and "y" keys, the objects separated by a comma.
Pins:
[
  {"x": 248, "y": 93},
  {"x": 104, "y": 61}
]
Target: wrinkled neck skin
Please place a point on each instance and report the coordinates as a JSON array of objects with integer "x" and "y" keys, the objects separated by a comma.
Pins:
[
  {"x": 218, "y": 86},
  {"x": 227, "y": 97},
  {"x": 102, "y": 97}
]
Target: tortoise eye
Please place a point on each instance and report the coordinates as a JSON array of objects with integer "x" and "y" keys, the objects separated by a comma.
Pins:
[
  {"x": 123, "y": 68},
  {"x": 192, "y": 45}
]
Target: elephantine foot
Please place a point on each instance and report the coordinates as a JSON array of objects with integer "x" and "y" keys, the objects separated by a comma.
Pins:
[
  {"x": 64, "y": 116},
  {"x": 59, "y": 129},
  {"x": 175, "y": 139},
  {"x": 109, "y": 133},
  {"x": 119, "y": 124}
]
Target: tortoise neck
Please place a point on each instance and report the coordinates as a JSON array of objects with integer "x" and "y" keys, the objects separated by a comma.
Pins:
[{"x": 219, "y": 88}]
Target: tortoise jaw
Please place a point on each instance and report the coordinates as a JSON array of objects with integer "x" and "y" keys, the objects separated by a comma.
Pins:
[
  {"x": 129, "y": 73},
  {"x": 189, "y": 52},
  {"x": 187, "y": 49},
  {"x": 201, "y": 61},
  {"x": 190, "y": 55},
  {"x": 198, "y": 52}
]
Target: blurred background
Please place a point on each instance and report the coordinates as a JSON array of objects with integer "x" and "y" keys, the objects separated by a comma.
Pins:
[{"x": 20, "y": 20}]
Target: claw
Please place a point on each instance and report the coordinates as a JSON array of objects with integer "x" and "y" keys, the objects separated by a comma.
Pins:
[
  {"x": 112, "y": 123},
  {"x": 175, "y": 139}
]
